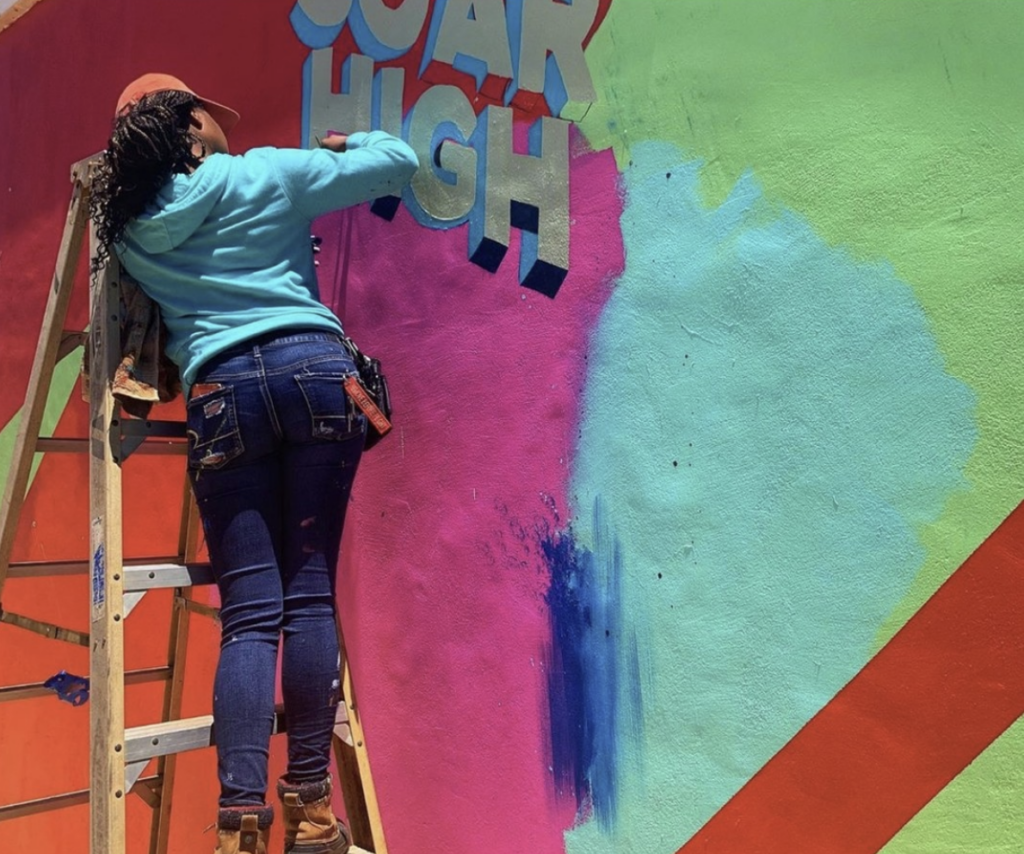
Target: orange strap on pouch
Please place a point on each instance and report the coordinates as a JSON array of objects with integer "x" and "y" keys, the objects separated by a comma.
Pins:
[{"x": 378, "y": 419}]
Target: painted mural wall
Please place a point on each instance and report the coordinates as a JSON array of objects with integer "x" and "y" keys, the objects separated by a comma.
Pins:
[{"x": 702, "y": 319}]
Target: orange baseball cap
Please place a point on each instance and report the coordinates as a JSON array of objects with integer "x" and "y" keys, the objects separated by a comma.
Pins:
[{"x": 147, "y": 84}]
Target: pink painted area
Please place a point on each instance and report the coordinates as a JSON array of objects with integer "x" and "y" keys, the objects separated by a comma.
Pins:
[
  {"x": 443, "y": 599},
  {"x": 442, "y": 590}
]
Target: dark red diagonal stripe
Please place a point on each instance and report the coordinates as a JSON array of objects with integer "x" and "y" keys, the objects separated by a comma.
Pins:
[{"x": 948, "y": 684}]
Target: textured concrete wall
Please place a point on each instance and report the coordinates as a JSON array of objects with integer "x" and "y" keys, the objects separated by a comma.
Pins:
[{"x": 704, "y": 340}]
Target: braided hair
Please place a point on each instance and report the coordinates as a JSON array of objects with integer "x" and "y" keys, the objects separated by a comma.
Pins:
[{"x": 149, "y": 143}]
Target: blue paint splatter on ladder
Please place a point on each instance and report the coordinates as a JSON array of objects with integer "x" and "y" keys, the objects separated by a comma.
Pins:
[{"x": 99, "y": 577}]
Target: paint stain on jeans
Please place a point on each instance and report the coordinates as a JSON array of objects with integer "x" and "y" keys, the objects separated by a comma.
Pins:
[
  {"x": 212, "y": 458},
  {"x": 214, "y": 408}
]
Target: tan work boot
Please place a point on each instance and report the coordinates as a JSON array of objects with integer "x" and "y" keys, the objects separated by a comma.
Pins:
[
  {"x": 244, "y": 830},
  {"x": 310, "y": 826}
]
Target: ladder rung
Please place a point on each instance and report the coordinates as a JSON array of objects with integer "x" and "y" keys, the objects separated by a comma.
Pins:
[
  {"x": 59, "y": 445},
  {"x": 50, "y": 569},
  {"x": 163, "y": 739},
  {"x": 31, "y": 690},
  {"x": 158, "y": 576},
  {"x": 57, "y": 802},
  {"x": 151, "y": 792},
  {"x": 48, "y": 630},
  {"x": 151, "y": 428},
  {"x": 199, "y": 608}
]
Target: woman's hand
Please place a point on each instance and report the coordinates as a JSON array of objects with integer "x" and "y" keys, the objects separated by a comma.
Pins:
[{"x": 334, "y": 142}]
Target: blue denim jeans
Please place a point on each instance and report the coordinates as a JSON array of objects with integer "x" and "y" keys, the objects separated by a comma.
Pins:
[{"x": 274, "y": 443}]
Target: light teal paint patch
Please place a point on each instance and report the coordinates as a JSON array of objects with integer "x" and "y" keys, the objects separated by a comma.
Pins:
[
  {"x": 768, "y": 423},
  {"x": 65, "y": 377}
]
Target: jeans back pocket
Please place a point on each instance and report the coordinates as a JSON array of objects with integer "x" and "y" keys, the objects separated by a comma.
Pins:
[
  {"x": 331, "y": 413},
  {"x": 214, "y": 438}
]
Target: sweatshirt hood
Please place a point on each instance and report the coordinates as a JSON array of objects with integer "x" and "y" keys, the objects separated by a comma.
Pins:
[{"x": 180, "y": 207}]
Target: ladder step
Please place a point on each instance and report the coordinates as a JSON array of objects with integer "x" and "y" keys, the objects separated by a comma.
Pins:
[
  {"x": 143, "y": 743},
  {"x": 58, "y": 445},
  {"x": 162, "y": 739},
  {"x": 51, "y": 569},
  {"x": 32, "y": 690},
  {"x": 158, "y": 576}
]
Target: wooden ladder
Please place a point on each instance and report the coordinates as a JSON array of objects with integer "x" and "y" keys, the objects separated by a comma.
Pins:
[{"x": 120, "y": 756}]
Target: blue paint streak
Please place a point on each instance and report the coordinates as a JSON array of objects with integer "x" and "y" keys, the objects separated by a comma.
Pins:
[
  {"x": 99, "y": 577},
  {"x": 593, "y": 687}
]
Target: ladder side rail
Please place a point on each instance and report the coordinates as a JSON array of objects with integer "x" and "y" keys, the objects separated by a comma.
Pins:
[
  {"x": 349, "y": 784},
  {"x": 167, "y": 766},
  {"x": 45, "y": 359},
  {"x": 106, "y": 659},
  {"x": 356, "y": 779}
]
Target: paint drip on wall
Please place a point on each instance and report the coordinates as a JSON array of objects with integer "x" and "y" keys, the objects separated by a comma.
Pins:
[{"x": 593, "y": 669}]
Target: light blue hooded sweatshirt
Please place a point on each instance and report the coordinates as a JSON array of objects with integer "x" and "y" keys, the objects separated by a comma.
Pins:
[{"x": 225, "y": 251}]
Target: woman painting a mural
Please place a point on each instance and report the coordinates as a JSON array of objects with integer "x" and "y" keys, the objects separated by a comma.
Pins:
[{"x": 221, "y": 244}]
